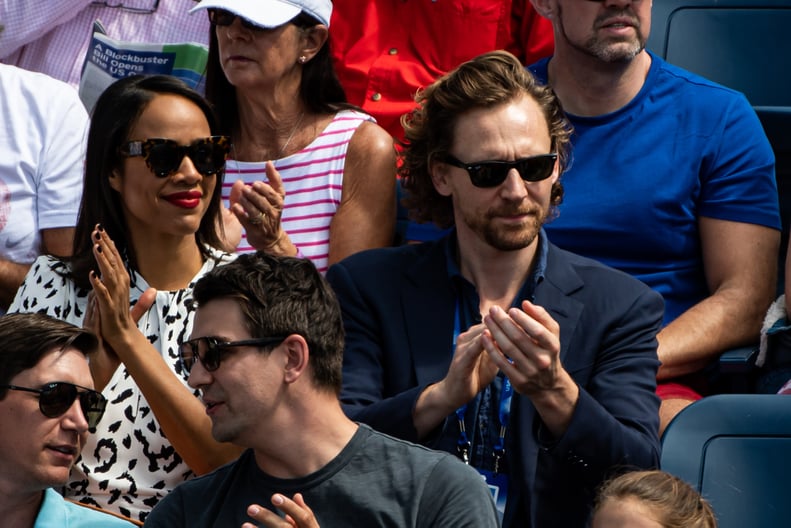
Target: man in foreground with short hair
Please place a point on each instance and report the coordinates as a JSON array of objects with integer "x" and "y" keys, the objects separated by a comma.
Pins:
[
  {"x": 47, "y": 407},
  {"x": 266, "y": 353},
  {"x": 537, "y": 366}
]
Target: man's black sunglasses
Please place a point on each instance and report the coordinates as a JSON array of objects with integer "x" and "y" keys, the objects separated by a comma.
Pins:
[
  {"x": 210, "y": 350},
  {"x": 493, "y": 173},
  {"x": 164, "y": 156},
  {"x": 55, "y": 398}
]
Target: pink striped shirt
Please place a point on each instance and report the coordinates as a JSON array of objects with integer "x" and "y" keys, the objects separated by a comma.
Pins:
[{"x": 313, "y": 181}]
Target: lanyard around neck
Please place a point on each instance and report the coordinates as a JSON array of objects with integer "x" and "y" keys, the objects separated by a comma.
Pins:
[{"x": 464, "y": 444}]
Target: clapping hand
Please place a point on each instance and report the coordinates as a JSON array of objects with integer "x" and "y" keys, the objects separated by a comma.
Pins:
[
  {"x": 259, "y": 208},
  {"x": 108, "y": 314},
  {"x": 525, "y": 344},
  {"x": 471, "y": 369}
]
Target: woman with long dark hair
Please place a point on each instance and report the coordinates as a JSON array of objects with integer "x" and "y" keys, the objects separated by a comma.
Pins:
[{"x": 147, "y": 230}]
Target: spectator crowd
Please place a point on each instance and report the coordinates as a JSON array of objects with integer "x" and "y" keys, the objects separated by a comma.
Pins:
[{"x": 209, "y": 319}]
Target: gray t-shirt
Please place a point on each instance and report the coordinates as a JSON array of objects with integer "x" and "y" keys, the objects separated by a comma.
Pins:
[{"x": 376, "y": 480}]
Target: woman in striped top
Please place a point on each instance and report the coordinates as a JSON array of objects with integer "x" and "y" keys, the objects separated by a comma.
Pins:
[{"x": 313, "y": 175}]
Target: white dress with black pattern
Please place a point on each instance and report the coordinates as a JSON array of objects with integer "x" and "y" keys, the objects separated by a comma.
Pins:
[{"x": 128, "y": 465}]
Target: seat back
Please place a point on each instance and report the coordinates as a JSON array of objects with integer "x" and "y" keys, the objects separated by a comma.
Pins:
[
  {"x": 735, "y": 449},
  {"x": 742, "y": 44}
]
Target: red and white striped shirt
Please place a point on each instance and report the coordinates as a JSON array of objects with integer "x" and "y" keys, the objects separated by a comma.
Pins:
[{"x": 313, "y": 181}]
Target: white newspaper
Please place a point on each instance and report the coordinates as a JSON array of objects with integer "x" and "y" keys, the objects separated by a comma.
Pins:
[{"x": 108, "y": 60}]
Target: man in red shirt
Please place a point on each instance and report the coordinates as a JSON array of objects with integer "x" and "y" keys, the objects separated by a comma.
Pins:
[{"x": 384, "y": 50}]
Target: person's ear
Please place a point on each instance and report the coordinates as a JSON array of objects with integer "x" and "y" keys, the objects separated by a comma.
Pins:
[
  {"x": 115, "y": 180},
  {"x": 313, "y": 38},
  {"x": 555, "y": 172},
  {"x": 545, "y": 8},
  {"x": 439, "y": 177},
  {"x": 297, "y": 356}
]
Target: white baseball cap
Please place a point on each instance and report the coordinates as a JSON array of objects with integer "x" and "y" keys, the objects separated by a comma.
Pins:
[{"x": 271, "y": 13}]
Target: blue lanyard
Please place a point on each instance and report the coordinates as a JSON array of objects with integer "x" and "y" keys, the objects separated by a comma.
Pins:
[
  {"x": 464, "y": 444},
  {"x": 504, "y": 414}
]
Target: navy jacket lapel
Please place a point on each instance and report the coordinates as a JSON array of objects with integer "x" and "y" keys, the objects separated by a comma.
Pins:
[{"x": 554, "y": 293}]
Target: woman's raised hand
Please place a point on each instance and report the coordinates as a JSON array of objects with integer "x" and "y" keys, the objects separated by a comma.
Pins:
[
  {"x": 110, "y": 315},
  {"x": 259, "y": 208}
]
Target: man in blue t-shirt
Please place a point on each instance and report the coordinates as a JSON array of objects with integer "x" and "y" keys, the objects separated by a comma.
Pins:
[{"x": 672, "y": 181}]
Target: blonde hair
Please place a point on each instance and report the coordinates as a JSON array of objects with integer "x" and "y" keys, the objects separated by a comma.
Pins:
[{"x": 675, "y": 503}]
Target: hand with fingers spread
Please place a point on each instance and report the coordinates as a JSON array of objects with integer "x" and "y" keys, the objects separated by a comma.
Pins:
[
  {"x": 297, "y": 513},
  {"x": 525, "y": 345},
  {"x": 259, "y": 208}
]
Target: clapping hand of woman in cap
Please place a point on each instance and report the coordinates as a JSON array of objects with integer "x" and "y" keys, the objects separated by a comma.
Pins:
[{"x": 259, "y": 208}]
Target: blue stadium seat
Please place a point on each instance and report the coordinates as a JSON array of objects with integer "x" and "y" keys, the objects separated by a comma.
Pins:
[
  {"x": 742, "y": 44},
  {"x": 735, "y": 449}
]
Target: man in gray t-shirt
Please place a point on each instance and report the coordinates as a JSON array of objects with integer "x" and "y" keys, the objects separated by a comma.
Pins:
[{"x": 266, "y": 353}]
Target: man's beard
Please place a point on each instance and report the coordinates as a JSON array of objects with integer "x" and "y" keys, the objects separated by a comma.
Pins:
[
  {"x": 510, "y": 237},
  {"x": 611, "y": 51}
]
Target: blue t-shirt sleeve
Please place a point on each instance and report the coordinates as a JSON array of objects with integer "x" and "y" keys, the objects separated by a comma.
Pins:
[{"x": 739, "y": 171}]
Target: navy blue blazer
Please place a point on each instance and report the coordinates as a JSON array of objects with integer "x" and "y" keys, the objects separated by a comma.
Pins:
[{"x": 398, "y": 309}]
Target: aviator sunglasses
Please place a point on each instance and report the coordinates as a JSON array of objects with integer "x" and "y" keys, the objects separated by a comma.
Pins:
[
  {"x": 164, "y": 156},
  {"x": 210, "y": 350},
  {"x": 493, "y": 173},
  {"x": 55, "y": 398}
]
